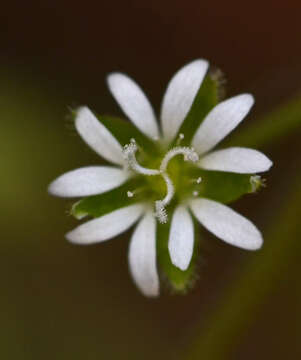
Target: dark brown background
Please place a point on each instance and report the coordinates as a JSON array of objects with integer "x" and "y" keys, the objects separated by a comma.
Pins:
[{"x": 65, "y": 302}]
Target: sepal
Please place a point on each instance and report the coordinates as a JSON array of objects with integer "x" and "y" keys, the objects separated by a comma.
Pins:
[
  {"x": 205, "y": 100},
  {"x": 99, "y": 205},
  {"x": 177, "y": 281},
  {"x": 225, "y": 187}
]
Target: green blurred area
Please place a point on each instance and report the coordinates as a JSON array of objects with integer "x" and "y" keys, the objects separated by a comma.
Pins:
[{"x": 60, "y": 301}]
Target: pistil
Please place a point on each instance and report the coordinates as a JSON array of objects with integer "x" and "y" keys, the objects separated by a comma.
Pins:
[
  {"x": 189, "y": 155},
  {"x": 129, "y": 152}
]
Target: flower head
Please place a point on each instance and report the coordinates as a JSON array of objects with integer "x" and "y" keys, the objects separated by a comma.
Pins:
[{"x": 165, "y": 177}]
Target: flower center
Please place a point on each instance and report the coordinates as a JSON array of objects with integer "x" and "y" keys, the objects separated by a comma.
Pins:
[{"x": 129, "y": 154}]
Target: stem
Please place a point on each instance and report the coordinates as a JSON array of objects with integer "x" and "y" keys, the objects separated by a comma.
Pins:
[{"x": 245, "y": 298}]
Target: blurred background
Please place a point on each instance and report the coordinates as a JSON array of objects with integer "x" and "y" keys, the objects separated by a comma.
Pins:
[{"x": 60, "y": 301}]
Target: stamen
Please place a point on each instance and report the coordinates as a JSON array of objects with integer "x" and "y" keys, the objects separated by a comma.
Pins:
[
  {"x": 180, "y": 138},
  {"x": 195, "y": 193},
  {"x": 189, "y": 155},
  {"x": 135, "y": 192},
  {"x": 128, "y": 152},
  {"x": 196, "y": 181}
]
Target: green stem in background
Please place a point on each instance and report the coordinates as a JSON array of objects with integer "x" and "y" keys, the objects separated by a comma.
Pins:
[
  {"x": 270, "y": 127},
  {"x": 244, "y": 299}
]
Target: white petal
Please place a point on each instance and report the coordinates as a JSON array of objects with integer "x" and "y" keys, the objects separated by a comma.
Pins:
[
  {"x": 88, "y": 181},
  {"x": 142, "y": 256},
  {"x": 221, "y": 120},
  {"x": 227, "y": 224},
  {"x": 181, "y": 238},
  {"x": 97, "y": 136},
  {"x": 134, "y": 103},
  {"x": 237, "y": 160},
  {"x": 179, "y": 96},
  {"x": 107, "y": 226}
]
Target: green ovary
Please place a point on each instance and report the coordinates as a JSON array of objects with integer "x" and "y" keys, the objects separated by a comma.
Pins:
[{"x": 179, "y": 172}]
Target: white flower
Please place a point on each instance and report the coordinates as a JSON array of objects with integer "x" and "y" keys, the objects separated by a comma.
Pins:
[{"x": 219, "y": 219}]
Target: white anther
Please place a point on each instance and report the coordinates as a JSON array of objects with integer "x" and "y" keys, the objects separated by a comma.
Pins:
[
  {"x": 189, "y": 155},
  {"x": 180, "y": 138},
  {"x": 195, "y": 193},
  {"x": 130, "y": 194},
  {"x": 129, "y": 152},
  {"x": 198, "y": 180}
]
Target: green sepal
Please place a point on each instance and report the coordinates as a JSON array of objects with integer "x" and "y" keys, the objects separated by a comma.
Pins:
[
  {"x": 177, "y": 280},
  {"x": 205, "y": 100},
  {"x": 226, "y": 187},
  {"x": 124, "y": 131},
  {"x": 98, "y": 205}
]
